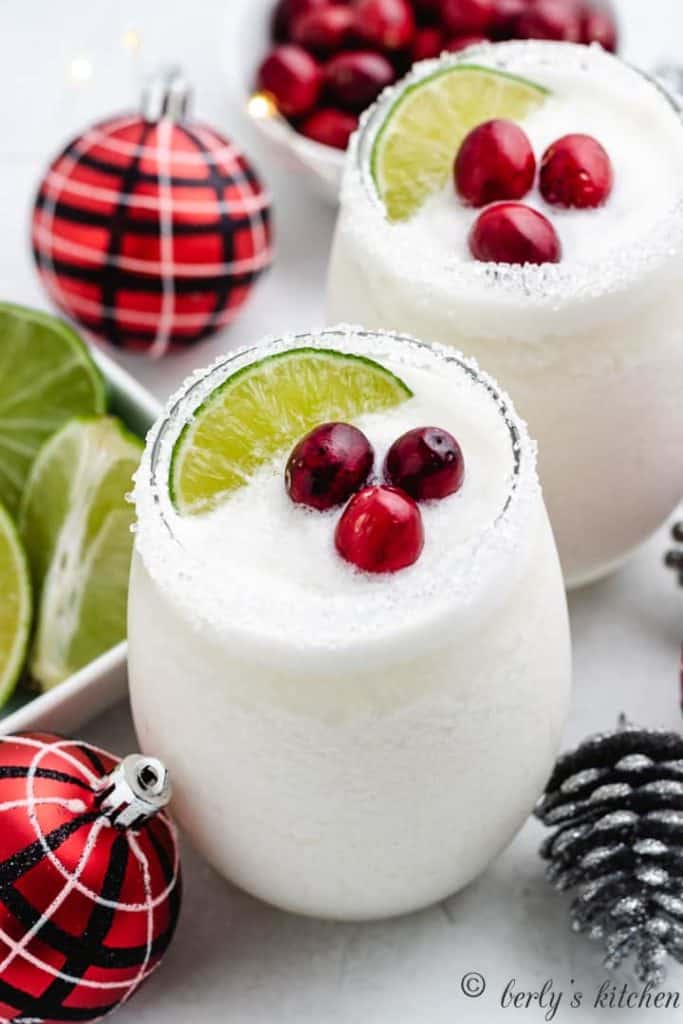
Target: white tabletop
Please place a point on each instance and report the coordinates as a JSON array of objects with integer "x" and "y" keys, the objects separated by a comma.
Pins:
[{"x": 235, "y": 959}]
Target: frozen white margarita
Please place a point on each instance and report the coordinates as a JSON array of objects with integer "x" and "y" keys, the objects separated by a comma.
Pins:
[
  {"x": 590, "y": 346},
  {"x": 346, "y": 743}
]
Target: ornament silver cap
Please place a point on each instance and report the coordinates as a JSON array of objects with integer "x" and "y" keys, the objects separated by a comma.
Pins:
[
  {"x": 167, "y": 94},
  {"x": 137, "y": 789}
]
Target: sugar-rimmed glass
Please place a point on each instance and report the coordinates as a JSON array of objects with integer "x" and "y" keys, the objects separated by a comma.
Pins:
[
  {"x": 330, "y": 772},
  {"x": 591, "y": 350}
]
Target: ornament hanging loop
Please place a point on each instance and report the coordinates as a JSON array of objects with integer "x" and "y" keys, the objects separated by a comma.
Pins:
[
  {"x": 167, "y": 94},
  {"x": 137, "y": 789}
]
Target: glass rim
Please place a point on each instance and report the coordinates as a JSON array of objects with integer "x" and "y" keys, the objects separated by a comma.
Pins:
[{"x": 522, "y": 453}]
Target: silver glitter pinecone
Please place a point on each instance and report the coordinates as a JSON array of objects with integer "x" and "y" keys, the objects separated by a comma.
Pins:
[{"x": 616, "y": 807}]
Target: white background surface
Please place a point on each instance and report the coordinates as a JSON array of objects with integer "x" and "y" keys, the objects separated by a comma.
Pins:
[{"x": 234, "y": 959}]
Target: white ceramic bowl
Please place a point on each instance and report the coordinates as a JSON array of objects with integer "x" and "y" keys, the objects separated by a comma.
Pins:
[
  {"x": 100, "y": 684},
  {"x": 247, "y": 43}
]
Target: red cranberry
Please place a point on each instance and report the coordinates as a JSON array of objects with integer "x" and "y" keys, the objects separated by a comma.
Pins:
[
  {"x": 506, "y": 18},
  {"x": 426, "y": 463},
  {"x": 551, "y": 19},
  {"x": 401, "y": 61},
  {"x": 328, "y": 465},
  {"x": 428, "y": 42},
  {"x": 330, "y": 127},
  {"x": 462, "y": 42},
  {"x": 324, "y": 29},
  {"x": 356, "y": 79},
  {"x": 380, "y": 530},
  {"x": 293, "y": 78},
  {"x": 463, "y": 17},
  {"x": 598, "y": 25},
  {"x": 495, "y": 161},
  {"x": 295, "y": 8},
  {"x": 514, "y": 233},
  {"x": 428, "y": 8},
  {"x": 576, "y": 171},
  {"x": 385, "y": 24},
  {"x": 286, "y": 13}
]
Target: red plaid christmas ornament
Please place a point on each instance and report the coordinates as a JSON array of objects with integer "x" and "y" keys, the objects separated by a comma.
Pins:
[
  {"x": 89, "y": 878},
  {"x": 150, "y": 229}
]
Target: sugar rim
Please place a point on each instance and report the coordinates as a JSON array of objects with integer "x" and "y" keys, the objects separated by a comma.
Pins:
[
  {"x": 531, "y": 280},
  {"x": 196, "y": 385}
]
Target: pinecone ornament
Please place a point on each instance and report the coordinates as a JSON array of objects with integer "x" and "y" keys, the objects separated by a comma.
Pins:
[{"x": 616, "y": 809}]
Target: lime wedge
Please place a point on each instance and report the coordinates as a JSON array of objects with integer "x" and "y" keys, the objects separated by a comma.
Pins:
[
  {"x": 76, "y": 523},
  {"x": 264, "y": 409},
  {"x": 46, "y": 378},
  {"x": 15, "y": 606},
  {"x": 415, "y": 148}
]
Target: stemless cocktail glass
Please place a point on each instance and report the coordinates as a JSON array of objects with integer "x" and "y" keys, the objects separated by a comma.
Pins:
[
  {"x": 347, "y": 745},
  {"x": 591, "y": 348}
]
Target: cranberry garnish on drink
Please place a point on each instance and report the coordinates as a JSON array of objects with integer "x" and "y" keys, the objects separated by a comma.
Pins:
[
  {"x": 358, "y": 47},
  {"x": 514, "y": 233},
  {"x": 380, "y": 530},
  {"x": 576, "y": 171},
  {"x": 494, "y": 162},
  {"x": 427, "y": 463},
  {"x": 328, "y": 465}
]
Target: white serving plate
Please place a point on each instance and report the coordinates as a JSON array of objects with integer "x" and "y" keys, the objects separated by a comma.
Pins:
[
  {"x": 103, "y": 682},
  {"x": 247, "y": 43}
]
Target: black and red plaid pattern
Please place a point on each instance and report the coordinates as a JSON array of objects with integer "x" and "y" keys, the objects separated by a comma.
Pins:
[
  {"x": 151, "y": 234},
  {"x": 87, "y": 910}
]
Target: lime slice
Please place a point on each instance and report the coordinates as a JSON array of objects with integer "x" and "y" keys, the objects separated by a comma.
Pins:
[
  {"x": 76, "y": 523},
  {"x": 46, "y": 378},
  {"x": 264, "y": 409},
  {"x": 15, "y": 606},
  {"x": 415, "y": 148}
]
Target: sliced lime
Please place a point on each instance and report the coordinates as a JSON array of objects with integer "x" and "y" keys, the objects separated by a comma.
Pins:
[
  {"x": 415, "y": 148},
  {"x": 75, "y": 522},
  {"x": 265, "y": 408},
  {"x": 46, "y": 378},
  {"x": 15, "y": 606}
]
